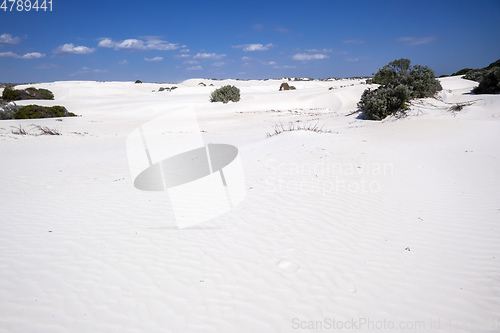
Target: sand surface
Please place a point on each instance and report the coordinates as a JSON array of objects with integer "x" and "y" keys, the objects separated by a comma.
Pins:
[{"x": 385, "y": 226}]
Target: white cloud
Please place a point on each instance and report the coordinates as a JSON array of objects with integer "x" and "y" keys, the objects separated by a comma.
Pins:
[
  {"x": 190, "y": 62},
  {"x": 124, "y": 62},
  {"x": 412, "y": 41},
  {"x": 152, "y": 43},
  {"x": 70, "y": 48},
  {"x": 194, "y": 68},
  {"x": 245, "y": 58},
  {"x": 106, "y": 43},
  {"x": 154, "y": 59},
  {"x": 253, "y": 47},
  {"x": 8, "y": 39},
  {"x": 319, "y": 51},
  {"x": 33, "y": 55},
  {"x": 184, "y": 50},
  {"x": 209, "y": 56},
  {"x": 182, "y": 56},
  {"x": 218, "y": 64},
  {"x": 307, "y": 57}
]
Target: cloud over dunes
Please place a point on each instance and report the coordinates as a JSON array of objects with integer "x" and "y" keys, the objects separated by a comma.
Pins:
[
  {"x": 138, "y": 44},
  {"x": 307, "y": 57},
  {"x": 71, "y": 49},
  {"x": 254, "y": 47},
  {"x": 8, "y": 39},
  {"x": 32, "y": 55},
  {"x": 209, "y": 56},
  {"x": 154, "y": 59}
]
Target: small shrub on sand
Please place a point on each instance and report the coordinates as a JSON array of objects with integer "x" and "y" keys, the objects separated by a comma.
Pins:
[
  {"x": 138, "y": 81},
  {"x": 225, "y": 94},
  {"x": 37, "y": 111},
  {"x": 10, "y": 94}
]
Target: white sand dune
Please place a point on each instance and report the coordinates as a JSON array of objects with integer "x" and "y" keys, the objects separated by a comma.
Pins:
[{"x": 384, "y": 226}]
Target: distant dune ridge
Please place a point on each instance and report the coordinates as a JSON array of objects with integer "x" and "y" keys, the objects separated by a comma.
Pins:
[{"x": 386, "y": 225}]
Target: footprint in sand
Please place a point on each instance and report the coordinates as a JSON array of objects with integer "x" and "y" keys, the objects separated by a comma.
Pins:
[{"x": 288, "y": 265}]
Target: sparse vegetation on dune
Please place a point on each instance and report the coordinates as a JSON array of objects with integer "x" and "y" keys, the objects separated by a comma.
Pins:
[{"x": 280, "y": 128}]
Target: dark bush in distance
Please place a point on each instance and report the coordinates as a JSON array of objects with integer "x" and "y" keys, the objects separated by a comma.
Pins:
[
  {"x": 400, "y": 82},
  {"x": 37, "y": 111},
  {"x": 490, "y": 84},
  {"x": 225, "y": 94},
  {"x": 462, "y": 72},
  {"x": 478, "y": 74},
  {"x": 488, "y": 78}
]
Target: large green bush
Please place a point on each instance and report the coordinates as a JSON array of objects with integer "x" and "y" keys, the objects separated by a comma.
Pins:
[
  {"x": 399, "y": 83},
  {"x": 490, "y": 83},
  {"x": 37, "y": 111},
  {"x": 10, "y": 94},
  {"x": 488, "y": 78},
  {"x": 225, "y": 94}
]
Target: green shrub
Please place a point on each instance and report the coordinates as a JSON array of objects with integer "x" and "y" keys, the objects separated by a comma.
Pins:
[
  {"x": 225, "y": 94},
  {"x": 47, "y": 94},
  {"x": 379, "y": 103},
  {"x": 28, "y": 93},
  {"x": 490, "y": 84},
  {"x": 37, "y": 111},
  {"x": 10, "y": 94},
  {"x": 400, "y": 82},
  {"x": 138, "y": 81},
  {"x": 476, "y": 74}
]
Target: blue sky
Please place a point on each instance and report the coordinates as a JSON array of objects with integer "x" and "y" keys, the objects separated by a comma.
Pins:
[{"x": 170, "y": 41}]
